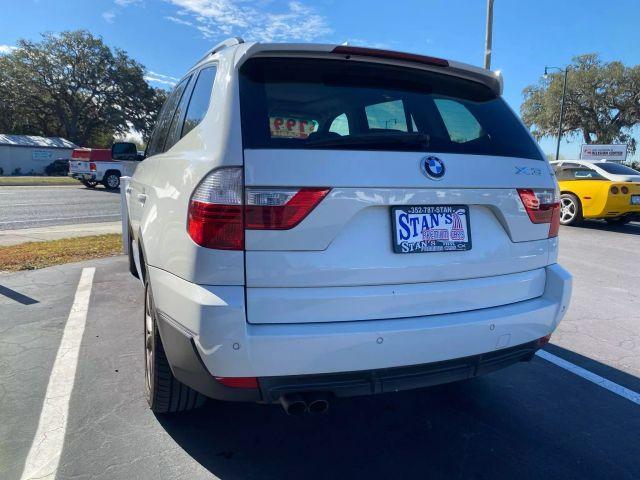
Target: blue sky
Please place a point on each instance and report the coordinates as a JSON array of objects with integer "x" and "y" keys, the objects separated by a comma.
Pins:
[{"x": 168, "y": 36}]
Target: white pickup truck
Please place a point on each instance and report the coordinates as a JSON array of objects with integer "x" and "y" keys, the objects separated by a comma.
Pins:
[{"x": 92, "y": 166}]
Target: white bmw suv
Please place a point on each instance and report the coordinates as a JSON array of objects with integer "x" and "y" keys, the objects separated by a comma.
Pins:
[{"x": 320, "y": 221}]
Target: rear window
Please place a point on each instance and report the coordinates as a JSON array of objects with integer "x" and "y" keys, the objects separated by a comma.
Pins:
[
  {"x": 617, "y": 169},
  {"x": 297, "y": 103}
]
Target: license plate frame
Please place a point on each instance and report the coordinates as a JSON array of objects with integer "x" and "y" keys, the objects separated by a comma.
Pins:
[
  {"x": 635, "y": 200},
  {"x": 431, "y": 245}
]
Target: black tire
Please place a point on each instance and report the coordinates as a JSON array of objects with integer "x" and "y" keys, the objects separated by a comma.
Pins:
[
  {"x": 111, "y": 180},
  {"x": 570, "y": 210},
  {"x": 617, "y": 221},
  {"x": 165, "y": 394}
]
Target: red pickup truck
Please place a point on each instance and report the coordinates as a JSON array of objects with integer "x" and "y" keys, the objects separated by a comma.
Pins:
[{"x": 95, "y": 165}]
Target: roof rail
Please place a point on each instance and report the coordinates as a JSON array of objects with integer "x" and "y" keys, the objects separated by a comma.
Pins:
[{"x": 229, "y": 42}]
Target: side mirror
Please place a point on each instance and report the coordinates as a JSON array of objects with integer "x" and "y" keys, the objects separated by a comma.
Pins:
[{"x": 124, "y": 151}]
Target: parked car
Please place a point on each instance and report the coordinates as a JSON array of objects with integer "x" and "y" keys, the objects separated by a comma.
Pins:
[
  {"x": 57, "y": 167},
  {"x": 92, "y": 166},
  {"x": 587, "y": 194},
  {"x": 614, "y": 171},
  {"x": 314, "y": 222}
]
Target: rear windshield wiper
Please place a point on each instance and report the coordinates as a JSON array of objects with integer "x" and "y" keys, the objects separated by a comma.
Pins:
[{"x": 421, "y": 140}]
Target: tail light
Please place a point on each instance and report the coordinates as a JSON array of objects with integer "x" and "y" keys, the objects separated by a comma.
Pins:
[
  {"x": 215, "y": 218},
  {"x": 218, "y": 216},
  {"x": 614, "y": 190},
  {"x": 542, "y": 206},
  {"x": 624, "y": 190},
  {"x": 280, "y": 208},
  {"x": 92, "y": 166}
]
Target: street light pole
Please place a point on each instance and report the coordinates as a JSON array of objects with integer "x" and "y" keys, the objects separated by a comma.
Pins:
[
  {"x": 564, "y": 94},
  {"x": 489, "y": 36}
]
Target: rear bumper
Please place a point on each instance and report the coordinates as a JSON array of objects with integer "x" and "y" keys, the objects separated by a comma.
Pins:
[
  {"x": 83, "y": 176},
  {"x": 212, "y": 322},
  {"x": 369, "y": 382}
]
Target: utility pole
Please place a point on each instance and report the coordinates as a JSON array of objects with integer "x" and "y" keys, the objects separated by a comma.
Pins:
[{"x": 488, "y": 38}]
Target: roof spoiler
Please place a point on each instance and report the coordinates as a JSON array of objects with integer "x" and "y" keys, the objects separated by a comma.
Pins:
[{"x": 229, "y": 42}]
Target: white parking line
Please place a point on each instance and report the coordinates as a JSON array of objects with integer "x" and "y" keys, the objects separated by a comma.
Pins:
[
  {"x": 592, "y": 377},
  {"x": 44, "y": 454}
]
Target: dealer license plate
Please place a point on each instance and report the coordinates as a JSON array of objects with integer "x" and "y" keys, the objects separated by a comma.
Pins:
[{"x": 431, "y": 228}]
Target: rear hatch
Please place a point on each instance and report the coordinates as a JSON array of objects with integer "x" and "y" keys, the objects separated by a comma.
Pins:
[{"x": 416, "y": 176}]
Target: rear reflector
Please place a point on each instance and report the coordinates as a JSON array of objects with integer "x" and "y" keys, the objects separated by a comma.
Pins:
[
  {"x": 280, "y": 209},
  {"x": 542, "y": 341},
  {"x": 92, "y": 167},
  {"x": 542, "y": 206},
  {"x": 391, "y": 55},
  {"x": 218, "y": 217},
  {"x": 238, "y": 382}
]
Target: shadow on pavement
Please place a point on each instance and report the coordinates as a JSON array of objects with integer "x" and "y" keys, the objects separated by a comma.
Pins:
[
  {"x": 632, "y": 228},
  {"x": 17, "y": 296},
  {"x": 530, "y": 420}
]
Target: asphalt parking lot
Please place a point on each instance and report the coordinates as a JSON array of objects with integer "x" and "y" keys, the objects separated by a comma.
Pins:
[
  {"x": 533, "y": 420},
  {"x": 26, "y": 207}
]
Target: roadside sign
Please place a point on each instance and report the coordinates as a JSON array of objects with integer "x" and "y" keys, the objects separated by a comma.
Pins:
[
  {"x": 41, "y": 155},
  {"x": 616, "y": 153}
]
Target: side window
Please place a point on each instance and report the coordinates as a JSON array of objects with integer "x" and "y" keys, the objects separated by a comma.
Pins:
[
  {"x": 387, "y": 116},
  {"x": 200, "y": 99},
  {"x": 340, "y": 125},
  {"x": 164, "y": 119},
  {"x": 178, "y": 118},
  {"x": 461, "y": 125}
]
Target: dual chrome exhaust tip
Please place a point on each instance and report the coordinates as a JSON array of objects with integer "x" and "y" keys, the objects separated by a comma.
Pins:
[{"x": 300, "y": 404}]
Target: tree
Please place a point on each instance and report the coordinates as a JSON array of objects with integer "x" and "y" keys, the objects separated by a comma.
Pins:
[
  {"x": 72, "y": 85},
  {"x": 602, "y": 103}
]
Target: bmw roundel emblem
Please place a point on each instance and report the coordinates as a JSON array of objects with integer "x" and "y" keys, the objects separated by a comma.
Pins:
[{"x": 432, "y": 167}]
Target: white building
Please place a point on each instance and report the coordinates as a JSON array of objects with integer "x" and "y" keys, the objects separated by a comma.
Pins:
[{"x": 27, "y": 154}]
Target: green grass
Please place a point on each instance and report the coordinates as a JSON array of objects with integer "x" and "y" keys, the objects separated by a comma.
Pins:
[
  {"x": 33, "y": 255},
  {"x": 26, "y": 181}
]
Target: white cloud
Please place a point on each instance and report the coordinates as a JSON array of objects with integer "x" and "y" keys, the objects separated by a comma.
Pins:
[
  {"x": 109, "y": 16},
  {"x": 366, "y": 43},
  {"x": 163, "y": 76},
  {"x": 179, "y": 21},
  {"x": 216, "y": 18},
  {"x": 159, "y": 78},
  {"x": 4, "y": 49}
]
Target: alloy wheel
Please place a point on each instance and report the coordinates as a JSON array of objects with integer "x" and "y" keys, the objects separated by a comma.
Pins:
[
  {"x": 567, "y": 210},
  {"x": 112, "y": 181}
]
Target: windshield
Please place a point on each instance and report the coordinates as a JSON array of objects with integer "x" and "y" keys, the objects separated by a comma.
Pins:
[
  {"x": 294, "y": 103},
  {"x": 617, "y": 169}
]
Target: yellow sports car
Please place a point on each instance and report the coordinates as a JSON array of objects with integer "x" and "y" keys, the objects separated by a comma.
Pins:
[{"x": 585, "y": 193}]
